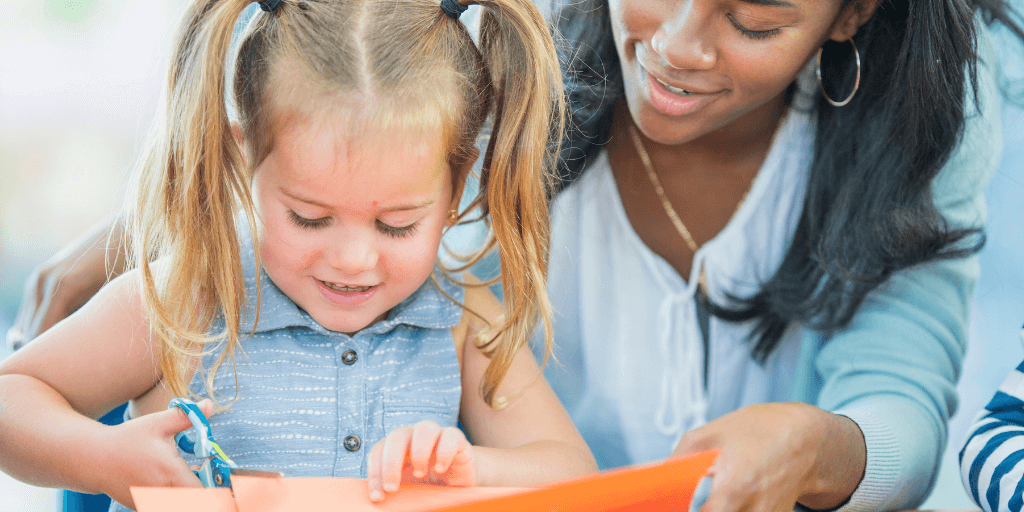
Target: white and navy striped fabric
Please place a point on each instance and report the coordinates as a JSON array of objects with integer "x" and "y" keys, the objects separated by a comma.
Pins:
[
  {"x": 306, "y": 408},
  {"x": 992, "y": 460}
]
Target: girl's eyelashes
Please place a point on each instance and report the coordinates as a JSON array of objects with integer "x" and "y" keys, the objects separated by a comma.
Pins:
[
  {"x": 391, "y": 231},
  {"x": 303, "y": 222},
  {"x": 394, "y": 232},
  {"x": 752, "y": 34}
]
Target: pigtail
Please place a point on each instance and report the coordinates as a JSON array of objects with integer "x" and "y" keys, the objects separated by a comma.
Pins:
[
  {"x": 191, "y": 183},
  {"x": 518, "y": 165}
]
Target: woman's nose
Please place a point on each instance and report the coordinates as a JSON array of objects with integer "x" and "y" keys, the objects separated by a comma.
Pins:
[{"x": 684, "y": 40}]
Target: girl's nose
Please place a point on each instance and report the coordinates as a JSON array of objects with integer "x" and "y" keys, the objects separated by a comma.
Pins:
[
  {"x": 683, "y": 41},
  {"x": 353, "y": 255}
]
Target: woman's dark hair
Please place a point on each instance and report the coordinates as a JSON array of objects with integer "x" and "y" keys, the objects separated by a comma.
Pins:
[{"x": 868, "y": 211}]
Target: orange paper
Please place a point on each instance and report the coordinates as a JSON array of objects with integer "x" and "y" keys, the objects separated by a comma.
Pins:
[
  {"x": 177, "y": 499},
  {"x": 667, "y": 486},
  {"x": 254, "y": 494},
  {"x": 662, "y": 487}
]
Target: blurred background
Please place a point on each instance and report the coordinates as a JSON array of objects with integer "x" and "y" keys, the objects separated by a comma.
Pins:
[{"x": 79, "y": 82}]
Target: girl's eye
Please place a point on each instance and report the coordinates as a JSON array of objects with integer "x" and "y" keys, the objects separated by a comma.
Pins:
[
  {"x": 752, "y": 34},
  {"x": 303, "y": 222},
  {"x": 394, "y": 232}
]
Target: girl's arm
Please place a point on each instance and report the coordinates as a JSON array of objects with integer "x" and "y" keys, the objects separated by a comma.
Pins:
[
  {"x": 528, "y": 442},
  {"x": 532, "y": 440},
  {"x": 52, "y": 391}
]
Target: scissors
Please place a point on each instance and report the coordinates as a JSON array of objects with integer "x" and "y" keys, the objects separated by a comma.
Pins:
[{"x": 217, "y": 469}]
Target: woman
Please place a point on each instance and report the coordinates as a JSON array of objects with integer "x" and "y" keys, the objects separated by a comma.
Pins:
[
  {"x": 839, "y": 284},
  {"x": 733, "y": 238}
]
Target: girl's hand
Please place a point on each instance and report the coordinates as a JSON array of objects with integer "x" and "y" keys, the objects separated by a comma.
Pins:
[
  {"x": 775, "y": 455},
  {"x": 421, "y": 453},
  {"x": 141, "y": 453}
]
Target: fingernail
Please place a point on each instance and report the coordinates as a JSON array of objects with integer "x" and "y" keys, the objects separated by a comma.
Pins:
[
  {"x": 376, "y": 496},
  {"x": 390, "y": 487},
  {"x": 418, "y": 473}
]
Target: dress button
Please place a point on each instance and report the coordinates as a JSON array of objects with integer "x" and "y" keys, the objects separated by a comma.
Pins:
[
  {"x": 352, "y": 443},
  {"x": 349, "y": 357}
]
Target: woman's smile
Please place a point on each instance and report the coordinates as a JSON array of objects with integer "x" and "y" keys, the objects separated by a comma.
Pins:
[
  {"x": 667, "y": 94},
  {"x": 675, "y": 101}
]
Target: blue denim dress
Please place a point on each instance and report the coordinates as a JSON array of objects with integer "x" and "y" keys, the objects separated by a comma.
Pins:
[{"x": 312, "y": 402}]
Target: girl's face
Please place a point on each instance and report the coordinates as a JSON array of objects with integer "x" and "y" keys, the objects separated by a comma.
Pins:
[
  {"x": 350, "y": 217},
  {"x": 691, "y": 67}
]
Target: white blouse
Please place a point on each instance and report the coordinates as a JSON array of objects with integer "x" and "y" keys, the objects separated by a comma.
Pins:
[{"x": 630, "y": 351}]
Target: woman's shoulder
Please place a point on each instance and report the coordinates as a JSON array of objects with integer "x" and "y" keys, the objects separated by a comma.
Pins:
[{"x": 958, "y": 189}]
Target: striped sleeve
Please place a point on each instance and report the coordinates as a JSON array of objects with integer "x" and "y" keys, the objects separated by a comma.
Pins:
[{"x": 992, "y": 460}]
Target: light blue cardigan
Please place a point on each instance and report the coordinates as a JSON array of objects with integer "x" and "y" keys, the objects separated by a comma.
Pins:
[{"x": 894, "y": 369}]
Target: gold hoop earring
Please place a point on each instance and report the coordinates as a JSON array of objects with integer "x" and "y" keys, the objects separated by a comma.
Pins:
[{"x": 856, "y": 83}]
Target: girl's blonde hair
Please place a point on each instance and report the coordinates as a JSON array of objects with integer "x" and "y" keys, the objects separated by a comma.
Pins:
[{"x": 407, "y": 53}]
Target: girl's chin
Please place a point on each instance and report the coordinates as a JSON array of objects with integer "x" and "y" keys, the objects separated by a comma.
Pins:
[
  {"x": 350, "y": 327},
  {"x": 348, "y": 322}
]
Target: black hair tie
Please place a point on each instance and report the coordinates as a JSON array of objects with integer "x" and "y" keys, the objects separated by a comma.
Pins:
[
  {"x": 270, "y": 5},
  {"x": 453, "y": 8}
]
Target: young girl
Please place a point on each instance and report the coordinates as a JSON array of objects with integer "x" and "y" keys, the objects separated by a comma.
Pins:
[{"x": 316, "y": 318}]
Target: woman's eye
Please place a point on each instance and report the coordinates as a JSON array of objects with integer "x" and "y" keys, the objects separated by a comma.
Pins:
[
  {"x": 752, "y": 34},
  {"x": 303, "y": 222},
  {"x": 394, "y": 232}
]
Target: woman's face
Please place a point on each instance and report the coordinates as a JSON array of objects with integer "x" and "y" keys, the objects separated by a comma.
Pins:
[{"x": 692, "y": 67}]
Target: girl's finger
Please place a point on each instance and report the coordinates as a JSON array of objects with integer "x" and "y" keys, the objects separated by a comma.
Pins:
[
  {"x": 424, "y": 440},
  {"x": 373, "y": 467},
  {"x": 169, "y": 422},
  {"x": 206, "y": 406},
  {"x": 187, "y": 478},
  {"x": 396, "y": 447},
  {"x": 452, "y": 443}
]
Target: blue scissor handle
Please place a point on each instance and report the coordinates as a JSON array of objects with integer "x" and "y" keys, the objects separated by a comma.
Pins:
[
  {"x": 197, "y": 440},
  {"x": 215, "y": 473}
]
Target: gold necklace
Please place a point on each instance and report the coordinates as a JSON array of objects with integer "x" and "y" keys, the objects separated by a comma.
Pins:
[
  {"x": 671, "y": 212},
  {"x": 667, "y": 205}
]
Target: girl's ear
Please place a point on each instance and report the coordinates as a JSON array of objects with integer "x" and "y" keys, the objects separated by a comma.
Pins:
[
  {"x": 461, "y": 174},
  {"x": 855, "y": 14}
]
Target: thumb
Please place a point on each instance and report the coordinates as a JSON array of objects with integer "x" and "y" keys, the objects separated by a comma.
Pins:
[{"x": 175, "y": 420}]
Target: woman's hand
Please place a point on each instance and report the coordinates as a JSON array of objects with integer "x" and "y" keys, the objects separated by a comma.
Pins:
[
  {"x": 67, "y": 281},
  {"x": 775, "y": 455},
  {"x": 421, "y": 453},
  {"x": 141, "y": 453}
]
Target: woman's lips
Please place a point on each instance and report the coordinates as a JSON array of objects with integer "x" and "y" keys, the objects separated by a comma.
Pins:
[
  {"x": 672, "y": 100},
  {"x": 346, "y": 295}
]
